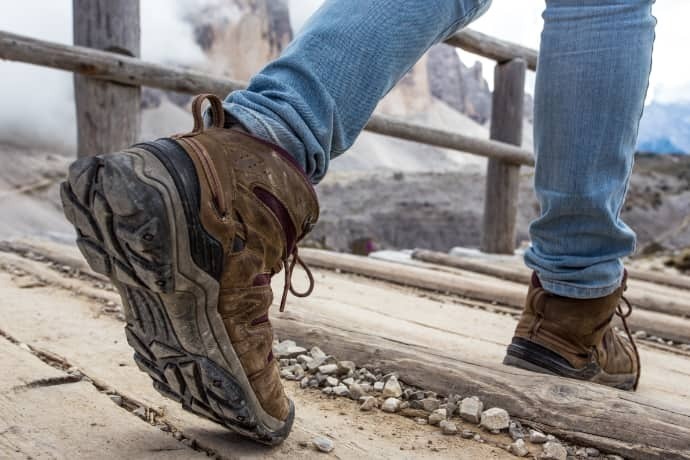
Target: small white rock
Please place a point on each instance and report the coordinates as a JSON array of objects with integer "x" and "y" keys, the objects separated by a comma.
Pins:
[
  {"x": 331, "y": 381},
  {"x": 378, "y": 386},
  {"x": 537, "y": 437},
  {"x": 328, "y": 369},
  {"x": 448, "y": 427},
  {"x": 518, "y": 448},
  {"x": 553, "y": 451},
  {"x": 392, "y": 388},
  {"x": 356, "y": 391},
  {"x": 495, "y": 419},
  {"x": 341, "y": 390},
  {"x": 369, "y": 403},
  {"x": 391, "y": 405},
  {"x": 471, "y": 409},
  {"x": 430, "y": 404},
  {"x": 437, "y": 416},
  {"x": 323, "y": 444}
]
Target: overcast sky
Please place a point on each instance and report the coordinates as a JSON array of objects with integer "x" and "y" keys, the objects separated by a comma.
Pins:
[{"x": 39, "y": 102}]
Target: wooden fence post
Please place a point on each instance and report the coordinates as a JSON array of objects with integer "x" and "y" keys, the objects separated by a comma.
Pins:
[
  {"x": 108, "y": 114},
  {"x": 503, "y": 179}
]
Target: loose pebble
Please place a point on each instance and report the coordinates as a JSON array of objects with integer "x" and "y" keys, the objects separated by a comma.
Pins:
[
  {"x": 515, "y": 430},
  {"x": 370, "y": 403},
  {"x": 471, "y": 409},
  {"x": 328, "y": 369},
  {"x": 592, "y": 452},
  {"x": 437, "y": 416},
  {"x": 378, "y": 386},
  {"x": 448, "y": 427},
  {"x": 356, "y": 391},
  {"x": 392, "y": 388},
  {"x": 341, "y": 390},
  {"x": 518, "y": 448},
  {"x": 495, "y": 419},
  {"x": 467, "y": 434},
  {"x": 323, "y": 444},
  {"x": 429, "y": 404},
  {"x": 331, "y": 381},
  {"x": 553, "y": 451},
  {"x": 391, "y": 405},
  {"x": 537, "y": 437},
  {"x": 345, "y": 367}
]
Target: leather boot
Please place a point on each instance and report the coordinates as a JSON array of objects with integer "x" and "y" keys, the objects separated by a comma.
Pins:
[
  {"x": 574, "y": 338},
  {"x": 190, "y": 229}
]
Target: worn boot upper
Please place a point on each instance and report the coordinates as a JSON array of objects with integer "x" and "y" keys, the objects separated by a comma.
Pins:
[
  {"x": 579, "y": 330},
  {"x": 258, "y": 204}
]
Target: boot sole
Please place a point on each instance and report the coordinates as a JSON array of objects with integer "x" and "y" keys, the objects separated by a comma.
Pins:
[
  {"x": 533, "y": 357},
  {"x": 132, "y": 227}
]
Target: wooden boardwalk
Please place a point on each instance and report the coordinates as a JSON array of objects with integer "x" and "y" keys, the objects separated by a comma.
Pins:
[{"x": 436, "y": 341}]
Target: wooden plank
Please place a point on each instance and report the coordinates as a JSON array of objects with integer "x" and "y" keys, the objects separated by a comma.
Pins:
[
  {"x": 492, "y": 47},
  {"x": 489, "y": 290},
  {"x": 570, "y": 409},
  {"x": 47, "y": 414},
  {"x": 95, "y": 344},
  {"x": 503, "y": 179},
  {"x": 131, "y": 71},
  {"x": 108, "y": 114},
  {"x": 662, "y": 299}
]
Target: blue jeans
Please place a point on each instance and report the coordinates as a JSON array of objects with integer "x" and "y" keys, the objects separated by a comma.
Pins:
[{"x": 592, "y": 77}]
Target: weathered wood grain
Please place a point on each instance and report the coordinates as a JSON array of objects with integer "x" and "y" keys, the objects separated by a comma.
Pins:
[
  {"x": 658, "y": 298},
  {"x": 492, "y": 47},
  {"x": 503, "y": 179},
  {"x": 489, "y": 290},
  {"x": 108, "y": 113}
]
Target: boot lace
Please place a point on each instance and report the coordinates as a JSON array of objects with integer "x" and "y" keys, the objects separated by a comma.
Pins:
[
  {"x": 289, "y": 264},
  {"x": 623, "y": 315}
]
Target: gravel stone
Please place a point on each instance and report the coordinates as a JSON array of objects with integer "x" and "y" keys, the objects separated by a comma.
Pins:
[
  {"x": 467, "y": 434},
  {"x": 327, "y": 390},
  {"x": 592, "y": 452},
  {"x": 356, "y": 391},
  {"x": 392, "y": 388},
  {"x": 304, "y": 383},
  {"x": 378, "y": 386},
  {"x": 341, "y": 390},
  {"x": 348, "y": 381},
  {"x": 516, "y": 431},
  {"x": 323, "y": 444},
  {"x": 331, "y": 381},
  {"x": 369, "y": 403},
  {"x": 471, "y": 409},
  {"x": 448, "y": 427},
  {"x": 345, "y": 367},
  {"x": 537, "y": 437},
  {"x": 317, "y": 353},
  {"x": 495, "y": 419},
  {"x": 553, "y": 451},
  {"x": 451, "y": 408},
  {"x": 429, "y": 404},
  {"x": 518, "y": 448},
  {"x": 391, "y": 405},
  {"x": 417, "y": 396},
  {"x": 437, "y": 416},
  {"x": 304, "y": 360},
  {"x": 328, "y": 369}
]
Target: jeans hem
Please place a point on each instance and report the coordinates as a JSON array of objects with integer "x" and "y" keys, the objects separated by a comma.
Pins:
[{"x": 578, "y": 292}]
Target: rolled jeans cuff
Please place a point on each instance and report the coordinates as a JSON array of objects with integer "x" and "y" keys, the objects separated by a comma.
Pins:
[{"x": 577, "y": 292}]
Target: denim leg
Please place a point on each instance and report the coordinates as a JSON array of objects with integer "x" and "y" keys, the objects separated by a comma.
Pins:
[
  {"x": 592, "y": 78},
  {"x": 317, "y": 96}
]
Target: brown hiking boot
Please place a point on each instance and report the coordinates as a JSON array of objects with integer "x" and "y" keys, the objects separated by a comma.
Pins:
[
  {"x": 574, "y": 338},
  {"x": 190, "y": 229}
]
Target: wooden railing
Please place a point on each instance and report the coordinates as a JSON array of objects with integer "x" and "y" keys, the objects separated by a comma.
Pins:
[{"x": 113, "y": 80}]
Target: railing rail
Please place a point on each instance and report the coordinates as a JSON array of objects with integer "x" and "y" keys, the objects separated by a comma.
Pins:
[{"x": 505, "y": 155}]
